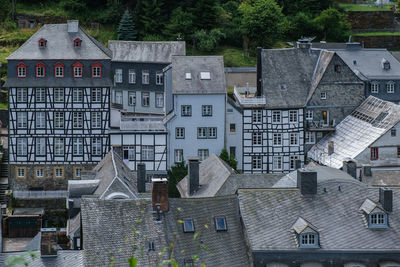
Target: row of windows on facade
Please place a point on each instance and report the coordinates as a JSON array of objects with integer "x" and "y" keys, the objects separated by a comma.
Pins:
[
  {"x": 118, "y": 99},
  {"x": 43, "y": 42},
  {"x": 202, "y": 132},
  {"x": 78, "y": 118},
  {"x": 201, "y": 153},
  {"x": 206, "y": 110},
  {"x": 277, "y": 138},
  {"x": 374, "y": 152},
  {"x": 277, "y": 162},
  {"x": 58, "y": 172},
  {"x": 276, "y": 116},
  {"x": 390, "y": 87},
  {"x": 59, "y": 96},
  {"x": 118, "y": 77},
  {"x": 77, "y": 70},
  {"x": 147, "y": 152}
]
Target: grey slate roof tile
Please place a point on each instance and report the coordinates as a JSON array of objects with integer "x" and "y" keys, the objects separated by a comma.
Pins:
[
  {"x": 57, "y": 82},
  {"x": 65, "y": 258}
]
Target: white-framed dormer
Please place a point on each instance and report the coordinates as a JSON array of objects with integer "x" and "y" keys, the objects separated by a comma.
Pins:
[
  {"x": 375, "y": 216},
  {"x": 307, "y": 235}
]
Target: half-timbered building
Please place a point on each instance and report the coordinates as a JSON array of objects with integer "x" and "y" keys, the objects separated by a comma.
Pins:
[{"x": 59, "y": 86}]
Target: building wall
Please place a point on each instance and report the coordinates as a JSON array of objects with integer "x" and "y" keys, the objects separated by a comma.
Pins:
[
  {"x": 191, "y": 144},
  {"x": 234, "y": 139},
  {"x": 382, "y": 93}
]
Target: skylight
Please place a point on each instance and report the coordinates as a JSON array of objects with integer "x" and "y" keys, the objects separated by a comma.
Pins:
[
  {"x": 188, "y": 76},
  {"x": 188, "y": 226},
  {"x": 205, "y": 75},
  {"x": 220, "y": 224}
]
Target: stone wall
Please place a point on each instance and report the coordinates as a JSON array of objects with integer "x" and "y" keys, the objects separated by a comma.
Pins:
[
  {"x": 391, "y": 42},
  {"x": 366, "y": 21}
]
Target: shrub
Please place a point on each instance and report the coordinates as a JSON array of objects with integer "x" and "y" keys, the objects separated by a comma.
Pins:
[{"x": 207, "y": 41}]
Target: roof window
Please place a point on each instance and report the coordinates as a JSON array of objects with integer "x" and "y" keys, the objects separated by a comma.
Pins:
[
  {"x": 188, "y": 76},
  {"x": 42, "y": 43},
  {"x": 205, "y": 75},
  {"x": 283, "y": 87},
  {"x": 385, "y": 64},
  {"x": 307, "y": 234},
  {"x": 77, "y": 42},
  {"x": 220, "y": 224},
  {"x": 376, "y": 216},
  {"x": 188, "y": 226}
]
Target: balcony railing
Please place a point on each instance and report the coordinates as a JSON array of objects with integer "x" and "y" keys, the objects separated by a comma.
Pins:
[
  {"x": 249, "y": 99},
  {"x": 321, "y": 125}
]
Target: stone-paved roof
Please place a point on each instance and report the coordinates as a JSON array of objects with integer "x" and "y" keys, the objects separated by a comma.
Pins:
[
  {"x": 196, "y": 64},
  {"x": 269, "y": 214},
  {"x": 60, "y": 45},
  {"x": 65, "y": 258},
  {"x": 150, "y": 52}
]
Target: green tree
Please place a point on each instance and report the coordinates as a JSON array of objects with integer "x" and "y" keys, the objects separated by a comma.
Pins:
[
  {"x": 333, "y": 25},
  {"x": 262, "y": 21},
  {"x": 112, "y": 12},
  {"x": 313, "y": 7},
  {"x": 301, "y": 25},
  {"x": 149, "y": 15},
  {"x": 207, "y": 41},
  {"x": 177, "y": 172},
  {"x": 126, "y": 28},
  {"x": 180, "y": 24},
  {"x": 230, "y": 160},
  {"x": 205, "y": 14}
]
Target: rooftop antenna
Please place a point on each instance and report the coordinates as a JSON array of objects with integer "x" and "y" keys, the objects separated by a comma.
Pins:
[{"x": 179, "y": 37}]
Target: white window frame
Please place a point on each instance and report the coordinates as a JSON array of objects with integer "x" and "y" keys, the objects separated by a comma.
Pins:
[
  {"x": 78, "y": 119},
  {"x": 159, "y": 78},
  {"x": 205, "y": 75},
  {"x": 118, "y": 97},
  {"x": 323, "y": 95},
  {"x": 96, "y": 146},
  {"x": 77, "y": 72},
  {"x": 21, "y": 172},
  {"x": 96, "y": 72},
  {"x": 277, "y": 139},
  {"x": 159, "y": 100},
  {"x": 59, "y": 172},
  {"x": 40, "y": 146},
  {"x": 292, "y": 163},
  {"x": 40, "y": 119},
  {"x": 390, "y": 87},
  {"x": 179, "y": 133},
  {"x": 212, "y": 132},
  {"x": 129, "y": 153},
  {"x": 293, "y": 116},
  {"x": 59, "y": 146},
  {"x": 77, "y": 95},
  {"x": 22, "y": 120},
  {"x": 206, "y": 110},
  {"x": 256, "y": 162},
  {"x": 203, "y": 154},
  {"x": 39, "y": 172},
  {"x": 40, "y": 95},
  {"x": 145, "y": 76},
  {"x": 145, "y": 99},
  {"x": 148, "y": 153},
  {"x": 96, "y": 95},
  {"x": 96, "y": 119},
  {"x": 77, "y": 146},
  {"x": 186, "y": 110},
  {"x": 309, "y": 137},
  {"x": 132, "y": 98},
  {"x": 294, "y": 139},
  {"x": 309, "y": 114},
  {"x": 59, "y": 120},
  {"x": 22, "y": 95},
  {"x": 256, "y": 138},
  {"x": 374, "y": 87},
  {"x": 276, "y": 116},
  {"x": 58, "y": 95},
  {"x": 22, "y": 146},
  {"x": 118, "y": 76},
  {"x": 21, "y": 71},
  {"x": 277, "y": 163},
  {"x": 40, "y": 73},
  {"x": 201, "y": 132},
  {"x": 59, "y": 72},
  {"x": 178, "y": 155},
  {"x": 132, "y": 76},
  {"x": 256, "y": 116},
  {"x": 188, "y": 76}
]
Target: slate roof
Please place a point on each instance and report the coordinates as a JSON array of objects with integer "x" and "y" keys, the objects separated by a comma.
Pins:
[
  {"x": 269, "y": 214},
  {"x": 241, "y": 70},
  {"x": 72, "y": 82},
  {"x": 329, "y": 46},
  {"x": 291, "y": 69},
  {"x": 383, "y": 178},
  {"x": 366, "y": 124},
  {"x": 195, "y": 65},
  {"x": 60, "y": 46},
  {"x": 151, "y": 52},
  {"x": 65, "y": 258}
]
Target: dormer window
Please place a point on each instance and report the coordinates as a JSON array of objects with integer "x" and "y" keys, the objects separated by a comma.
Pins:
[
  {"x": 59, "y": 70},
  {"x": 376, "y": 216},
  {"x": 337, "y": 68},
  {"x": 283, "y": 87},
  {"x": 21, "y": 70},
  {"x": 220, "y": 224},
  {"x": 40, "y": 70},
  {"x": 77, "y": 70},
  {"x": 306, "y": 233},
  {"x": 205, "y": 75},
  {"x": 42, "y": 43},
  {"x": 308, "y": 240},
  {"x": 385, "y": 64},
  {"x": 188, "y": 76},
  {"x": 96, "y": 70},
  {"x": 77, "y": 42},
  {"x": 188, "y": 226}
]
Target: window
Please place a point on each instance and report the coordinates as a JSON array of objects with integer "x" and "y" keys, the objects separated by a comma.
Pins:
[
  {"x": 58, "y": 172},
  {"x": 220, "y": 224},
  {"x": 205, "y": 75},
  {"x": 294, "y": 139},
  {"x": 159, "y": 100},
  {"x": 390, "y": 87},
  {"x": 180, "y": 133},
  {"x": 256, "y": 162},
  {"x": 292, "y": 115},
  {"x": 276, "y": 116},
  {"x": 159, "y": 78},
  {"x": 178, "y": 155},
  {"x": 40, "y": 147},
  {"x": 118, "y": 76},
  {"x": 96, "y": 95},
  {"x": 212, "y": 132},
  {"x": 132, "y": 99},
  {"x": 145, "y": 77},
  {"x": 323, "y": 95},
  {"x": 186, "y": 110},
  {"x": 229, "y": 110},
  {"x": 206, "y": 110},
  {"x": 58, "y": 146},
  {"x": 277, "y": 163},
  {"x": 378, "y": 220},
  {"x": 277, "y": 139},
  {"x": 393, "y": 132},
  {"x": 337, "y": 68},
  {"x": 77, "y": 95},
  {"x": 22, "y": 95},
  {"x": 188, "y": 226},
  {"x": 59, "y": 95},
  {"x": 78, "y": 120},
  {"x": 145, "y": 99},
  {"x": 232, "y": 151},
  {"x": 21, "y": 172},
  {"x": 188, "y": 76},
  {"x": 308, "y": 240},
  {"x": 201, "y": 132},
  {"x": 96, "y": 119},
  {"x": 257, "y": 138},
  {"x": 96, "y": 70},
  {"x": 310, "y": 138},
  {"x": 39, "y": 172},
  {"x": 22, "y": 146},
  {"x": 293, "y": 162},
  {"x": 77, "y": 146},
  {"x": 398, "y": 151},
  {"x": 77, "y": 42},
  {"x": 309, "y": 115},
  {"x": 147, "y": 152},
  {"x": 40, "y": 95},
  {"x": 232, "y": 128},
  {"x": 202, "y": 154},
  {"x": 257, "y": 116},
  {"x": 21, "y": 70},
  {"x": 129, "y": 152},
  {"x": 59, "y": 70},
  {"x": 374, "y": 153},
  {"x": 77, "y": 70},
  {"x": 58, "y": 120},
  {"x": 42, "y": 43},
  {"x": 22, "y": 120},
  {"x": 374, "y": 88},
  {"x": 77, "y": 172},
  {"x": 40, "y": 119},
  {"x": 118, "y": 97},
  {"x": 96, "y": 146},
  {"x": 132, "y": 76}
]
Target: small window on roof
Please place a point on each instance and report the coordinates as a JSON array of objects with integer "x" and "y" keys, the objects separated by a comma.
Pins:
[
  {"x": 188, "y": 76},
  {"x": 205, "y": 75},
  {"x": 188, "y": 226},
  {"x": 42, "y": 43},
  {"x": 377, "y": 220},
  {"x": 77, "y": 42},
  {"x": 220, "y": 224},
  {"x": 283, "y": 87}
]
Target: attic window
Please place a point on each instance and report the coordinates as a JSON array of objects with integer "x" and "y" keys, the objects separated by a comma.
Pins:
[
  {"x": 385, "y": 64},
  {"x": 188, "y": 226},
  {"x": 42, "y": 43},
  {"x": 205, "y": 75},
  {"x": 77, "y": 42},
  {"x": 377, "y": 220},
  {"x": 188, "y": 76},
  {"x": 355, "y": 62},
  {"x": 220, "y": 224},
  {"x": 308, "y": 240},
  {"x": 283, "y": 87},
  {"x": 337, "y": 68},
  {"x": 307, "y": 234}
]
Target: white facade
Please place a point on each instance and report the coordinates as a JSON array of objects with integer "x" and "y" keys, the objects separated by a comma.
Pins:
[{"x": 234, "y": 133}]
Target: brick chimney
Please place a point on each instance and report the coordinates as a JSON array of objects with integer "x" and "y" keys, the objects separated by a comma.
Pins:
[
  {"x": 48, "y": 242},
  {"x": 159, "y": 194},
  {"x": 307, "y": 182},
  {"x": 386, "y": 198},
  {"x": 141, "y": 177},
  {"x": 194, "y": 173},
  {"x": 350, "y": 166}
]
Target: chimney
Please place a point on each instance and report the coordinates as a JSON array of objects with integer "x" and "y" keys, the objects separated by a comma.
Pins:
[
  {"x": 259, "y": 72},
  {"x": 73, "y": 26},
  {"x": 307, "y": 182},
  {"x": 331, "y": 147},
  {"x": 350, "y": 166},
  {"x": 193, "y": 171},
  {"x": 304, "y": 43},
  {"x": 386, "y": 198},
  {"x": 159, "y": 194},
  {"x": 141, "y": 177},
  {"x": 297, "y": 164},
  {"x": 48, "y": 242},
  {"x": 367, "y": 170}
]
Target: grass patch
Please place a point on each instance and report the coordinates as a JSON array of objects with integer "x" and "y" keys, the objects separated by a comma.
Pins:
[
  {"x": 376, "y": 34},
  {"x": 3, "y": 105},
  {"x": 359, "y": 7},
  {"x": 104, "y": 34},
  {"x": 5, "y": 51}
]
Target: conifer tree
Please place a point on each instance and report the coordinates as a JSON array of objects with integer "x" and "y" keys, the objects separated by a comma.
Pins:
[
  {"x": 150, "y": 17},
  {"x": 126, "y": 28}
]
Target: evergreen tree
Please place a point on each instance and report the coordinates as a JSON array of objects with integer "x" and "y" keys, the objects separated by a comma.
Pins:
[
  {"x": 126, "y": 28},
  {"x": 150, "y": 17},
  {"x": 177, "y": 172},
  {"x": 205, "y": 14}
]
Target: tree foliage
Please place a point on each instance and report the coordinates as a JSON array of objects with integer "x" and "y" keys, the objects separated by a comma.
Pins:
[
  {"x": 332, "y": 25},
  {"x": 126, "y": 28},
  {"x": 177, "y": 172},
  {"x": 207, "y": 41},
  {"x": 180, "y": 24},
  {"x": 229, "y": 159},
  {"x": 149, "y": 14}
]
